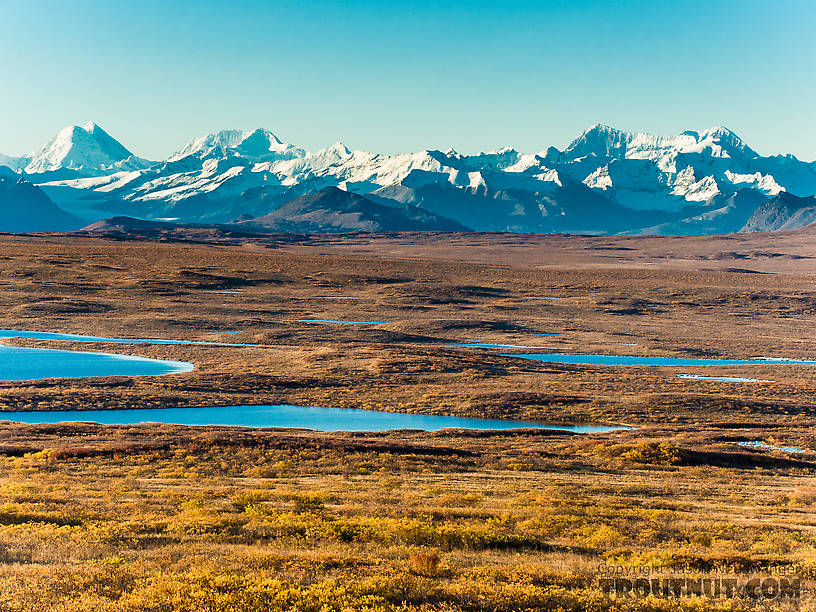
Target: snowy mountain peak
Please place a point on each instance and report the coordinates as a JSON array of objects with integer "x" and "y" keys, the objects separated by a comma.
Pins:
[
  {"x": 338, "y": 149},
  {"x": 720, "y": 131},
  {"x": 606, "y": 180},
  {"x": 85, "y": 148},
  {"x": 324, "y": 158},
  {"x": 601, "y": 129},
  {"x": 256, "y": 145},
  {"x": 727, "y": 139},
  {"x": 601, "y": 141},
  {"x": 606, "y": 143}
]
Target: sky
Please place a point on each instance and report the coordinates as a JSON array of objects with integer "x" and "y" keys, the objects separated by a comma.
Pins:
[{"x": 396, "y": 77}]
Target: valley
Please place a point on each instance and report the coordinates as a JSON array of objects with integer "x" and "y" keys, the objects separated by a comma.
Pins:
[
  {"x": 713, "y": 474},
  {"x": 334, "y": 306}
]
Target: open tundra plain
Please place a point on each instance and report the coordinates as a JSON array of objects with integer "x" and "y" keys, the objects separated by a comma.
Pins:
[{"x": 166, "y": 517}]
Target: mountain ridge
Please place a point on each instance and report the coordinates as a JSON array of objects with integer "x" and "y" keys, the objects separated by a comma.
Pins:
[
  {"x": 25, "y": 208},
  {"x": 782, "y": 212},
  {"x": 333, "y": 210},
  {"x": 605, "y": 181}
]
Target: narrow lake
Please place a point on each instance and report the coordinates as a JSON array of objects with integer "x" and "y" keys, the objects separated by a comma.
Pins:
[
  {"x": 722, "y": 378},
  {"x": 631, "y": 360},
  {"x": 758, "y": 444},
  {"x": 36, "y": 335},
  {"x": 342, "y": 321},
  {"x": 486, "y": 345},
  {"x": 304, "y": 417}
]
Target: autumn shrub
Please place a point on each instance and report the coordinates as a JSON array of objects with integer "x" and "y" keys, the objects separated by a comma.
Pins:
[
  {"x": 425, "y": 562},
  {"x": 652, "y": 453}
]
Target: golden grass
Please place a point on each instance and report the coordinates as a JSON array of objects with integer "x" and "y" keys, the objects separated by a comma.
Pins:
[{"x": 172, "y": 518}]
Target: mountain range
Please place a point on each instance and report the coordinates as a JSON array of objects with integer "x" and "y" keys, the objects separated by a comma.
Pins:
[{"x": 606, "y": 181}]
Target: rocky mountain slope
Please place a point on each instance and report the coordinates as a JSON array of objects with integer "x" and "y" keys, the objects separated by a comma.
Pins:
[
  {"x": 25, "y": 208},
  {"x": 782, "y": 212},
  {"x": 334, "y": 210}
]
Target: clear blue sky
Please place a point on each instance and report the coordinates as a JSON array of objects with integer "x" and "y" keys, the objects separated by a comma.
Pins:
[{"x": 389, "y": 76}]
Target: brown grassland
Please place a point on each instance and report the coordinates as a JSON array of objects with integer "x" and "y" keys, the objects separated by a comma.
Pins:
[{"x": 164, "y": 517}]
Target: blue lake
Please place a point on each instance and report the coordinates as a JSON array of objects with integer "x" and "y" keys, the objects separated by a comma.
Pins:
[
  {"x": 757, "y": 444},
  {"x": 631, "y": 360},
  {"x": 35, "y": 335},
  {"x": 722, "y": 378},
  {"x": 485, "y": 345},
  {"x": 305, "y": 417},
  {"x": 18, "y": 363},
  {"x": 342, "y": 321}
]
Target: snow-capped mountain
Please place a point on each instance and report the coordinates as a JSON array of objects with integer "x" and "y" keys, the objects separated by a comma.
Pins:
[
  {"x": 669, "y": 172},
  {"x": 84, "y": 150},
  {"x": 256, "y": 145},
  {"x": 605, "y": 181}
]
